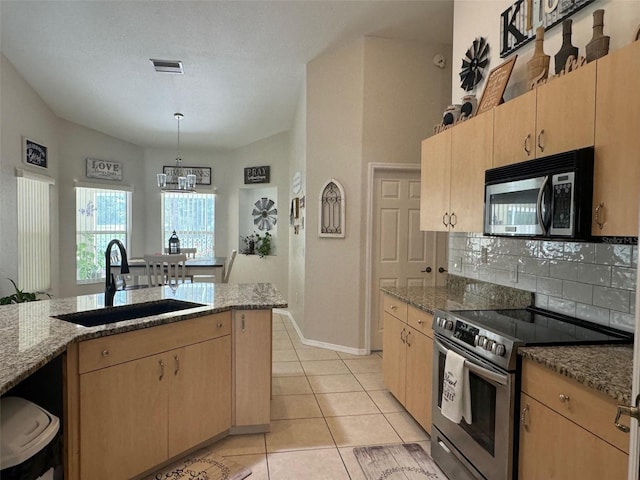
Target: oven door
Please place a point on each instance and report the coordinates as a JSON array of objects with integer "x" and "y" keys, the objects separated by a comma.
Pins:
[{"x": 486, "y": 443}]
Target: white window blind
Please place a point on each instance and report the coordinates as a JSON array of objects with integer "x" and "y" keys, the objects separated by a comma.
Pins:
[
  {"x": 192, "y": 216},
  {"x": 101, "y": 215},
  {"x": 34, "y": 235}
]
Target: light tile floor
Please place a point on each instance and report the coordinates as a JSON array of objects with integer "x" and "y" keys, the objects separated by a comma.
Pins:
[{"x": 324, "y": 404}]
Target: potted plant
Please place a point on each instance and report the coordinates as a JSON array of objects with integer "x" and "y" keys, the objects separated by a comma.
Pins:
[{"x": 21, "y": 296}]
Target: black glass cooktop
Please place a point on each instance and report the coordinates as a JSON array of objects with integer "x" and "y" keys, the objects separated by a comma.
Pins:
[{"x": 535, "y": 326}]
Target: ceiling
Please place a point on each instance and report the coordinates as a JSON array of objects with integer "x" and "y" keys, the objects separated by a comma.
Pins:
[{"x": 244, "y": 61}]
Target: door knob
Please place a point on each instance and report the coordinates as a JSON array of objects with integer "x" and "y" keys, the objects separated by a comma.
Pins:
[
  {"x": 426, "y": 270},
  {"x": 442, "y": 270}
]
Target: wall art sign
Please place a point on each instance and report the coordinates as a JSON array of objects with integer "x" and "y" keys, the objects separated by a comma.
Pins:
[
  {"x": 34, "y": 153},
  {"x": 257, "y": 174},
  {"x": 518, "y": 23},
  {"x": 104, "y": 169},
  {"x": 495, "y": 85},
  {"x": 203, "y": 174}
]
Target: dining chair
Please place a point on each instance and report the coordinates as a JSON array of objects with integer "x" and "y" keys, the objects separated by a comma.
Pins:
[
  {"x": 227, "y": 269},
  {"x": 189, "y": 251},
  {"x": 165, "y": 269}
]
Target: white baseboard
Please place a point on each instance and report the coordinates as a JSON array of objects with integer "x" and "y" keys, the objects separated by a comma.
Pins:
[{"x": 316, "y": 343}]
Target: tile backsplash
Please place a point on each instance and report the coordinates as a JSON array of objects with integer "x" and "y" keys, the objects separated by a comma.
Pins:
[{"x": 592, "y": 281}]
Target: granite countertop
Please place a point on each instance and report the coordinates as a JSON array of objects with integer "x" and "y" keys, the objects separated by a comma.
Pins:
[
  {"x": 461, "y": 294},
  {"x": 606, "y": 368},
  {"x": 30, "y": 338}
]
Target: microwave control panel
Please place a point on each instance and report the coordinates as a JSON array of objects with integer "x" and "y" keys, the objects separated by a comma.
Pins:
[{"x": 562, "y": 200}]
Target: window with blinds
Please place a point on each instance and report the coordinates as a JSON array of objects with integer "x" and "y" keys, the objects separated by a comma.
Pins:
[
  {"x": 192, "y": 216},
  {"x": 34, "y": 234},
  {"x": 101, "y": 215}
]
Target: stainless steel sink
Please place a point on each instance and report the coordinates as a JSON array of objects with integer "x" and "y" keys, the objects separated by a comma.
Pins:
[{"x": 103, "y": 316}]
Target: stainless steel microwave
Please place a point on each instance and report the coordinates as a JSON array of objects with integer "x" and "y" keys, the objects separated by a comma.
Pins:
[{"x": 549, "y": 197}]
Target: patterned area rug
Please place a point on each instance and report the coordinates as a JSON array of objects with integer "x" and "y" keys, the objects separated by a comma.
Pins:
[
  {"x": 397, "y": 462},
  {"x": 202, "y": 465}
]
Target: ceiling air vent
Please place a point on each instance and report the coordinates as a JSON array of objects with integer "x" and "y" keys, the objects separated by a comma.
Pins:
[{"x": 167, "y": 66}]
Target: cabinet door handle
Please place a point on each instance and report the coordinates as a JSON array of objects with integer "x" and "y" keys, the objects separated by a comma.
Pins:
[
  {"x": 407, "y": 338},
  {"x": 540, "y": 145},
  {"x": 597, "y": 219},
  {"x": 445, "y": 222},
  {"x": 243, "y": 325},
  {"x": 161, "y": 363},
  {"x": 633, "y": 412},
  {"x": 402, "y": 336},
  {"x": 524, "y": 417},
  {"x": 526, "y": 146},
  {"x": 453, "y": 217},
  {"x": 177, "y": 359}
]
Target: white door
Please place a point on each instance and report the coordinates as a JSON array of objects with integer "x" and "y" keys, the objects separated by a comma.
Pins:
[{"x": 403, "y": 255}]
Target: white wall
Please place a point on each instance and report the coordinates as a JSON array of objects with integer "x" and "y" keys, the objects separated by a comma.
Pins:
[
  {"x": 77, "y": 143},
  {"x": 23, "y": 113},
  {"x": 481, "y": 18},
  {"x": 154, "y": 160},
  {"x": 334, "y": 150},
  {"x": 373, "y": 100},
  {"x": 227, "y": 171},
  {"x": 272, "y": 151},
  {"x": 298, "y": 163}
]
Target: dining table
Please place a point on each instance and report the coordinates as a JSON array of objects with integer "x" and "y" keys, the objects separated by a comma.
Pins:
[{"x": 193, "y": 267}]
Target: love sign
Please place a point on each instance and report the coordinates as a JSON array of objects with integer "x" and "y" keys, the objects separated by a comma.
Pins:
[{"x": 104, "y": 169}]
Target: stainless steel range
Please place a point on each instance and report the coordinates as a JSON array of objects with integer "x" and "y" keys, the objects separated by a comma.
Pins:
[{"x": 486, "y": 449}]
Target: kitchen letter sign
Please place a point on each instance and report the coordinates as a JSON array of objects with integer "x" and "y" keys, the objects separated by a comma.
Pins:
[
  {"x": 104, "y": 169},
  {"x": 257, "y": 174}
]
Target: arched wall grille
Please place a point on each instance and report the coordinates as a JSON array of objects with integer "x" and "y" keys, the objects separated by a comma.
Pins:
[{"x": 332, "y": 207}]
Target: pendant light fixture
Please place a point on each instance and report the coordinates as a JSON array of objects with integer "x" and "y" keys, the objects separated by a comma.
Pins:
[{"x": 182, "y": 183}]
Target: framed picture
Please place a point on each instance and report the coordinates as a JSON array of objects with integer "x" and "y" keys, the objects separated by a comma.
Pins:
[
  {"x": 203, "y": 174},
  {"x": 495, "y": 86},
  {"x": 104, "y": 169},
  {"x": 34, "y": 153}
]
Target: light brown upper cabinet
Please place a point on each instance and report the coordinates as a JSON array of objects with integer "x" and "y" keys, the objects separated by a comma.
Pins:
[
  {"x": 553, "y": 118},
  {"x": 435, "y": 182},
  {"x": 471, "y": 155},
  {"x": 617, "y": 144},
  {"x": 453, "y": 165}
]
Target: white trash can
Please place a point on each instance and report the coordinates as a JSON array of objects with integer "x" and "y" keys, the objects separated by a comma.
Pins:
[{"x": 29, "y": 440}]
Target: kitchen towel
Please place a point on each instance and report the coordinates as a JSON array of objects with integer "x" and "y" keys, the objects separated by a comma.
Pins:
[{"x": 456, "y": 394}]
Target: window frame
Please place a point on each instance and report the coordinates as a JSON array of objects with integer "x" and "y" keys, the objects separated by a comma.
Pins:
[{"x": 127, "y": 232}]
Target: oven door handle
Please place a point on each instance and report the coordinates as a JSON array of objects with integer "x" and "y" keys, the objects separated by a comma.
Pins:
[{"x": 477, "y": 369}]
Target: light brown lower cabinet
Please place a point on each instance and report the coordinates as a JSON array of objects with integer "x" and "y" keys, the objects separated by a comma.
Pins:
[
  {"x": 138, "y": 399},
  {"x": 407, "y": 357},
  {"x": 251, "y": 370},
  {"x": 563, "y": 430}
]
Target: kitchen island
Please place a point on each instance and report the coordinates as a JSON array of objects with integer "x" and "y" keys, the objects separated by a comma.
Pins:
[{"x": 141, "y": 392}]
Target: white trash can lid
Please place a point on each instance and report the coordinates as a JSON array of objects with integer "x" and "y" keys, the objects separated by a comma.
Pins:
[{"x": 25, "y": 429}]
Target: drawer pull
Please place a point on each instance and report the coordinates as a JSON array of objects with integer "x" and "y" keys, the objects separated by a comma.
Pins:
[
  {"x": 393, "y": 307},
  {"x": 161, "y": 363},
  {"x": 105, "y": 353},
  {"x": 563, "y": 398},
  {"x": 524, "y": 417},
  {"x": 420, "y": 321},
  {"x": 219, "y": 325},
  {"x": 177, "y": 359}
]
